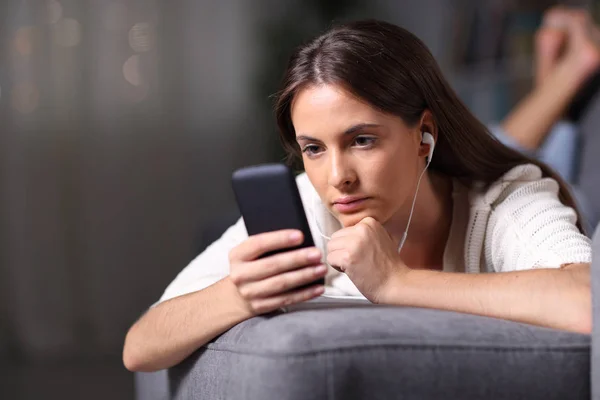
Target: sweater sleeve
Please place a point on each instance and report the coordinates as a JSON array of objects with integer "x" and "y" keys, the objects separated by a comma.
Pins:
[
  {"x": 209, "y": 267},
  {"x": 530, "y": 228},
  {"x": 560, "y": 149}
]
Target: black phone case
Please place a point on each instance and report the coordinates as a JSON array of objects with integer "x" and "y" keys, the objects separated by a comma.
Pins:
[{"x": 269, "y": 200}]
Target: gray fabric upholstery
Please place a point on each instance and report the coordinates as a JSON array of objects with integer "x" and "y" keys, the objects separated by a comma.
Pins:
[
  {"x": 374, "y": 352},
  {"x": 152, "y": 385},
  {"x": 386, "y": 352}
]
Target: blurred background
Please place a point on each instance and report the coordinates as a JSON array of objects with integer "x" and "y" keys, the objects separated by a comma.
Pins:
[{"x": 120, "y": 124}]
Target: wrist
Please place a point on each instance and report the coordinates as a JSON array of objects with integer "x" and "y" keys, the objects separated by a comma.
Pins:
[
  {"x": 571, "y": 75},
  {"x": 240, "y": 308},
  {"x": 395, "y": 288}
]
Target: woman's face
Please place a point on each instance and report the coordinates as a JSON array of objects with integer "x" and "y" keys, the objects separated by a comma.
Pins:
[{"x": 362, "y": 162}]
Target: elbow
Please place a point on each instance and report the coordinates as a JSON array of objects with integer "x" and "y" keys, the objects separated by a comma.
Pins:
[
  {"x": 134, "y": 363},
  {"x": 581, "y": 311},
  {"x": 586, "y": 329},
  {"x": 585, "y": 318},
  {"x": 583, "y": 322},
  {"x": 131, "y": 362},
  {"x": 133, "y": 359}
]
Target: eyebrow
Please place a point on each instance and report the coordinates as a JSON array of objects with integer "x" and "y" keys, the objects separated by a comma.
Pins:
[{"x": 348, "y": 131}]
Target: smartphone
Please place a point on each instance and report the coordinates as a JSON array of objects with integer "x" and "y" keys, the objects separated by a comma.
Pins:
[{"x": 269, "y": 200}]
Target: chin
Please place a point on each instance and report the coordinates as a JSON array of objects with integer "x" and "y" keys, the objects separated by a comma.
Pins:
[{"x": 348, "y": 220}]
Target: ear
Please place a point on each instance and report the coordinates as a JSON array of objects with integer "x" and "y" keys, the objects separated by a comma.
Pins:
[{"x": 427, "y": 124}]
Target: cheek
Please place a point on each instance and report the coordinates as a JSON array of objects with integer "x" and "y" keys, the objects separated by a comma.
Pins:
[{"x": 387, "y": 176}]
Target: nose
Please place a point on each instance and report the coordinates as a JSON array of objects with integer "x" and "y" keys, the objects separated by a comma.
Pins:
[{"x": 342, "y": 175}]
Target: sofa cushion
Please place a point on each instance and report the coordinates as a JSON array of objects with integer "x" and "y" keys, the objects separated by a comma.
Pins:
[{"x": 377, "y": 352}]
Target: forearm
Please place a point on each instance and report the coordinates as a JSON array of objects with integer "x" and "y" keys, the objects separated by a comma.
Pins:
[
  {"x": 556, "y": 298},
  {"x": 531, "y": 120},
  {"x": 171, "y": 331}
]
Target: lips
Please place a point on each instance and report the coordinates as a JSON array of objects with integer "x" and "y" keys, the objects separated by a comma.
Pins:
[{"x": 349, "y": 204}]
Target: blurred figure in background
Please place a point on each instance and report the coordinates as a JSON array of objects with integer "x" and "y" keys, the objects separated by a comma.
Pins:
[{"x": 567, "y": 55}]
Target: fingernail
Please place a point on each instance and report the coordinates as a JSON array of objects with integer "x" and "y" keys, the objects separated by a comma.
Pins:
[
  {"x": 314, "y": 255},
  {"x": 295, "y": 236},
  {"x": 320, "y": 269},
  {"x": 319, "y": 290}
]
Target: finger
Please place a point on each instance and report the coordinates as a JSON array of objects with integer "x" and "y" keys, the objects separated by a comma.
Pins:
[
  {"x": 282, "y": 283},
  {"x": 342, "y": 243},
  {"x": 336, "y": 268},
  {"x": 555, "y": 17},
  {"x": 373, "y": 225},
  {"x": 257, "y": 245},
  {"x": 344, "y": 232},
  {"x": 261, "y": 306},
  {"x": 370, "y": 221},
  {"x": 275, "y": 264},
  {"x": 580, "y": 16},
  {"x": 366, "y": 227},
  {"x": 578, "y": 24},
  {"x": 339, "y": 259}
]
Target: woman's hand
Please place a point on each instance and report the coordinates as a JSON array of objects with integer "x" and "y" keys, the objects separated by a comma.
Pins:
[
  {"x": 267, "y": 284},
  {"x": 369, "y": 256}
]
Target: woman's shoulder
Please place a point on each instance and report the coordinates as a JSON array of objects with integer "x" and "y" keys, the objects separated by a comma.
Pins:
[
  {"x": 527, "y": 226},
  {"x": 520, "y": 182}
]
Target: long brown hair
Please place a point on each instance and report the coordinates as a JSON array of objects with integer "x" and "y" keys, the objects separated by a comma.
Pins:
[{"x": 392, "y": 69}]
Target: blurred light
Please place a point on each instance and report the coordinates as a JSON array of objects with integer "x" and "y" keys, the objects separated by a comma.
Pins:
[
  {"x": 67, "y": 32},
  {"x": 138, "y": 90},
  {"x": 54, "y": 11},
  {"x": 25, "y": 97},
  {"x": 141, "y": 37},
  {"x": 23, "y": 41},
  {"x": 115, "y": 17},
  {"x": 131, "y": 70}
]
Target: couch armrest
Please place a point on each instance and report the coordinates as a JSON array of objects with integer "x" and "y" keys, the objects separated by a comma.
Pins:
[
  {"x": 595, "y": 346},
  {"x": 315, "y": 347}
]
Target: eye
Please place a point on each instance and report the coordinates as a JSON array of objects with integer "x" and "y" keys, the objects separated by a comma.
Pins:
[
  {"x": 364, "y": 141},
  {"x": 311, "y": 149}
]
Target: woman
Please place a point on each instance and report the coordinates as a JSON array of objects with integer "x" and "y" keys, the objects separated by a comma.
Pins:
[{"x": 356, "y": 104}]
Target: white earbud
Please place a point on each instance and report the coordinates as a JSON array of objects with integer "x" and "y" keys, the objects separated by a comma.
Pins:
[{"x": 428, "y": 139}]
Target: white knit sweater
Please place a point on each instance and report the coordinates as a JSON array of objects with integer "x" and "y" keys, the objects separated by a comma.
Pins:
[{"x": 518, "y": 223}]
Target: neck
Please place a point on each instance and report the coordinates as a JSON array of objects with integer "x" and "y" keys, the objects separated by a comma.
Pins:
[{"x": 430, "y": 224}]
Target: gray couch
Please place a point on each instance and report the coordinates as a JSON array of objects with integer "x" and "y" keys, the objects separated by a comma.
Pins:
[{"x": 380, "y": 352}]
